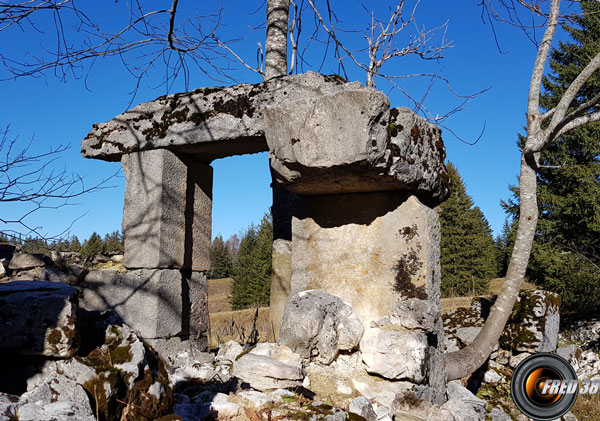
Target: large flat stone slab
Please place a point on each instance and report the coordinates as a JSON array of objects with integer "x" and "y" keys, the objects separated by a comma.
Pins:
[
  {"x": 324, "y": 136},
  {"x": 38, "y": 318}
]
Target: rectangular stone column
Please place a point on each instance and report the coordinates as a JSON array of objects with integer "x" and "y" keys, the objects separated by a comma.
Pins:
[
  {"x": 167, "y": 212},
  {"x": 167, "y": 231}
]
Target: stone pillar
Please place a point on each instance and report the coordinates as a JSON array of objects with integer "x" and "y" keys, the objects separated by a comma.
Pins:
[
  {"x": 375, "y": 250},
  {"x": 167, "y": 233},
  {"x": 167, "y": 211}
]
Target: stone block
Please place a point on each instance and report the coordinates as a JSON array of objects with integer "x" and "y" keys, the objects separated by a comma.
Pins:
[
  {"x": 167, "y": 211},
  {"x": 38, "y": 318},
  {"x": 155, "y": 302},
  {"x": 371, "y": 249}
]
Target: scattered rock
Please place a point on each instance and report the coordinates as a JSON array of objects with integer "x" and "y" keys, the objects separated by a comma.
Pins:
[
  {"x": 534, "y": 323},
  {"x": 265, "y": 373},
  {"x": 318, "y": 324},
  {"x": 254, "y": 398},
  {"x": 464, "y": 405},
  {"x": 361, "y": 406},
  {"x": 279, "y": 352},
  {"x": 24, "y": 261},
  {"x": 498, "y": 414},
  {"x": 229, "y": 351},
  {"x": 515, "y": 360}
]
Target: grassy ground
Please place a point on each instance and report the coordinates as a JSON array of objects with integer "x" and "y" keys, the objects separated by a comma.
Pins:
[
  {"x": 226, "y": 325},
  {"x": 587, "y": 407}
]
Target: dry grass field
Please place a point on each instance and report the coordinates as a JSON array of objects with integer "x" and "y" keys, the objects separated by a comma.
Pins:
[
  {"x": 449, "y": 304},
  {"x": 226, "y": 325}
]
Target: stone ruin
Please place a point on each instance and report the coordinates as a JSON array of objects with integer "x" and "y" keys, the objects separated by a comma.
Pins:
[{"x": 355, "y": 185}]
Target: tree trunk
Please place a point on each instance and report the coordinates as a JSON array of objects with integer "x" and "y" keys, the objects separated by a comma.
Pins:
[
  {"x": 276, "y": 42},
  {"x": 465, "y": 361}
]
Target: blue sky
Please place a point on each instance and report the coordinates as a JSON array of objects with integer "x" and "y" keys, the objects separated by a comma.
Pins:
[{"x": 54, "y": 112}]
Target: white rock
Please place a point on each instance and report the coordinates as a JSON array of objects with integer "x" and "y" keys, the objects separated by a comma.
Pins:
[
  {"x": 229, "y": 351},
  {"x": 266, "y": 373},
  {"x": 492, "y": 376},
  {"x": 256, "y": 399}
]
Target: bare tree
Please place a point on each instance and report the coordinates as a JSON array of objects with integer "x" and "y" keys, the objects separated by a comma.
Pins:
[
  {"x": 30, "y": 179},
  {"x": 542, "y": 129}
]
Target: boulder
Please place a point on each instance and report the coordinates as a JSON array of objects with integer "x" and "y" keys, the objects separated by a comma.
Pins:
[
  {"x": 279, "y": 352},
  {"x": 382, "y": 349},
  {"x": 2, "y": 270},
  {"x": 265, "y": 373},
  {"x": 534, "y": 323},
  {"x": 24, "y": 261},
  {"x": 316, "y": 323},
  {"x": 38, "y": 318}
]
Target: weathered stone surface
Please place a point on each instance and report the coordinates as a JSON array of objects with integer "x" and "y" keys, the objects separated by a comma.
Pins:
[
  {"x": 339, "y": 243},
  {"x": 38, "y": 318},
  {"x": 534, "y": 323},
  {"x": 265, "y": 373},
  {"x": 229, "y": 351},
  {"x": 281, "y": 280},
  {"x": 127, "y": 371},
  {"x": 215, "y": 122},
  {"x": 255, "y": 399},
  {"x": 368, "y": 147},
  {"x": 395, "y": 354},
  {"x": 463, "y": 404},
  {"x": 24, "y": 261},
  {"x": 414, "y": 314},
  {"x": 167, "y": 211},
  {"x": 318, "y": 323},
  {"x": 2, "y": 270},
  {"x": 362, "y": 406},
  {"x": 151, "y": 301},
  {"x": 279, "y": 352},
  {"x": 59, "y": 387}
]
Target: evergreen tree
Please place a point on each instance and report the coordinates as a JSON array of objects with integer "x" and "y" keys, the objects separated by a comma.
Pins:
[
  {"x": 252, "y": 270},
  {"x": 505, "y": 242},
  {"x": 113, "y": 242},
  {"x": 94, "y": 245},
  {"x": 74, "y": 244},
  {"x": 468, "y": 254},
  {"x": 221, "y": 264},
  {"x": 566, "y": 253}
]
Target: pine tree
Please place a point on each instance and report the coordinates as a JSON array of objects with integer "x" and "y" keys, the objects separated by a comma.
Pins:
[
  {"x": 75, "y": 245},
  {"x": 113, "y": 242},
  {"x": 221, "y": 264},
  {"x": 94, "y": 245},
  {"x": 252, "y": 270},
  {"x": 468, "y": 254},
  {"x": 566, "y": 253},
  {"x": 505, "y": 242}
]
